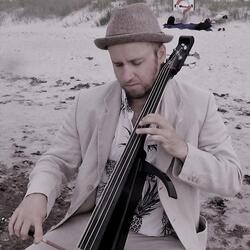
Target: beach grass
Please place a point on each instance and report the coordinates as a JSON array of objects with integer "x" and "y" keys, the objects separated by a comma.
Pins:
[{"x": 27, "y": 10}]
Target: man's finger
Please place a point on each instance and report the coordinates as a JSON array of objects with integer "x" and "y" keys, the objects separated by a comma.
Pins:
[
  {"x": 157, "y": 139},
  {"x": 11, "y": 223},
  {"x": 38, "y": 235},
  {"x": 155, "y": 119},
  {"x": 24, "y": 230},
  {"x": 153, "y": 131},
  {"x": 149, "y": 131},
  {"x": 18, "y": 225}
]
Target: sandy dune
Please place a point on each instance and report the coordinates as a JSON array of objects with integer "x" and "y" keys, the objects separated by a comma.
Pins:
[{"x": 44, "y": 65}]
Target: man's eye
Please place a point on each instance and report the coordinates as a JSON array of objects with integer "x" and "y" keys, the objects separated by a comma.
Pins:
[
  {"x": 118, "y": 65},
  {"x": 137, "y": 63}
]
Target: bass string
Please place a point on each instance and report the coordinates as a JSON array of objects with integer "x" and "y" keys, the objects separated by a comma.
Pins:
[
  {"x": 135, "y": 143},
  {"x": 149, "y": 107},
  {"x": 146, "y": 109},
  {"x": 118, "y": 175}
]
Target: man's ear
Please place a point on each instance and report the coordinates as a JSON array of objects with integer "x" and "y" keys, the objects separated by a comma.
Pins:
[{"x": 161, "y": 53}]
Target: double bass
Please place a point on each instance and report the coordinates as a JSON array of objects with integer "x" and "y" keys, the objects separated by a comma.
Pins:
[{"x": 110, "y": 220}]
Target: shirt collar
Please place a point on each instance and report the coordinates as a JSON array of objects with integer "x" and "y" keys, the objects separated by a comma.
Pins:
[{"x": 124, "y": 102}]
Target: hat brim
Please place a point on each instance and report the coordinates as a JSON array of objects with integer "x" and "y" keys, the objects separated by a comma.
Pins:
[{"x": 104, "y": 43}]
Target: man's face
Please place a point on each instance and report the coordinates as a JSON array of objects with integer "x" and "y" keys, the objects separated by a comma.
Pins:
[{"x": 136, "y": 66}]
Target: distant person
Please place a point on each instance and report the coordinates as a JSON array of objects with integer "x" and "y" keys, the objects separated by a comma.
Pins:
[
  {"x": 219, "y": 20},
  {"x": 206, "y": 25},
  {"x": 171, "y": 20}
]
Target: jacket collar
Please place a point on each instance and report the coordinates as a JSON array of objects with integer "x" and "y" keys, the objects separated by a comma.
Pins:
[
  {"x": 107, "y": 124},
  {"x": 170, "y": 107}
]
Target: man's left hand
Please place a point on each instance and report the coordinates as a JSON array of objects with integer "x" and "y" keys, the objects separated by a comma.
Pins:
[{"x": 161, "y": 132}]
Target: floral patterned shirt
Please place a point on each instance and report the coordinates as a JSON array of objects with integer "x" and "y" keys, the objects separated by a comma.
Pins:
[{"x": 149, "y": 217}]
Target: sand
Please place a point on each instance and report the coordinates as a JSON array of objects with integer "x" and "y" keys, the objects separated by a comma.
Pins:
[{"x": 42, "y": 67}]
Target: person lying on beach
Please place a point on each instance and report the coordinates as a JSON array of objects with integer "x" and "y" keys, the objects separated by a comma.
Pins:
[{"x": 206, "y": 25}]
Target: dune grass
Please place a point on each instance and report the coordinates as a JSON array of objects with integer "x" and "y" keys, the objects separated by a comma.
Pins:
[{"x": 24, "y": 10}]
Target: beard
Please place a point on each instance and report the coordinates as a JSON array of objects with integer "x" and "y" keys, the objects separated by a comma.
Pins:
[
  {"x": 141, "y": 90},
  {"x": 139, "y": 93}
]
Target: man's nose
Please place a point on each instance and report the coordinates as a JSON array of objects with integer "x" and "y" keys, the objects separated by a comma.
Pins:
[{"x": 127, "y": 74}]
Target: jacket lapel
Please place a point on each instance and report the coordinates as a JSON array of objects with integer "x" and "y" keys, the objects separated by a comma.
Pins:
[
  {"x": 171, "y": 108},
  {"x": 178, "y": 217},
  {"x": 107, "y": 125}
]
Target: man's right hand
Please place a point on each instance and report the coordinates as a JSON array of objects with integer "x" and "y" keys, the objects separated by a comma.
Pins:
[{"x": 31, "y": 212}]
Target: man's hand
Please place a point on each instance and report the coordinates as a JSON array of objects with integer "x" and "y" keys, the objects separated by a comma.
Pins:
[
  {"x": 164, "y": 134},
  {"x": 31, "y": 212}
]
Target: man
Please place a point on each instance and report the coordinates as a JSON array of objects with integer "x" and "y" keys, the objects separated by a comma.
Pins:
[{"x": 186, "y": 128}]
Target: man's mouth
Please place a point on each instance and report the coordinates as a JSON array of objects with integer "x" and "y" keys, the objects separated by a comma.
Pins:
[{"x": 132, "y": 84}]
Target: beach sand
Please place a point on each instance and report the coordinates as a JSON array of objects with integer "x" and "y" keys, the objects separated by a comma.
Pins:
[{"x": 43, "y": 65}]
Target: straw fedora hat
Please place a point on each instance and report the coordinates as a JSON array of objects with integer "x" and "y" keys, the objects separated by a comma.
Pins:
[{"x": 132, "y": 23}]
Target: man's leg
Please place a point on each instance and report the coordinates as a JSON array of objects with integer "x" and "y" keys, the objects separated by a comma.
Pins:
[
  {"x": 66, "y": 236},
  {"x": 138, "y": 241}
]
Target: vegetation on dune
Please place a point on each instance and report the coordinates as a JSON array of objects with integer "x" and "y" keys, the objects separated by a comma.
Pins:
[{"x": 31, "y": 9}]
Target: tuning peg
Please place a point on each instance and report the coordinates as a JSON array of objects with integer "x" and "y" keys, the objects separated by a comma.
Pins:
[{"x": 184, "y": 46}]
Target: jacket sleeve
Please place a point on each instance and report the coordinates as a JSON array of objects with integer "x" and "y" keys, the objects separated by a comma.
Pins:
[
  {"x": 59, "y": 163},
  {"x": 212, "y": 166}
]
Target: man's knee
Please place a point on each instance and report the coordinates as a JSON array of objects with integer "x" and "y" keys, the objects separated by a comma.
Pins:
[{"x": 40, "y": 246}]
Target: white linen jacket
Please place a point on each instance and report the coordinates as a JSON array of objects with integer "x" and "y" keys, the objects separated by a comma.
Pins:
[{"x": 83, "y": 143}]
